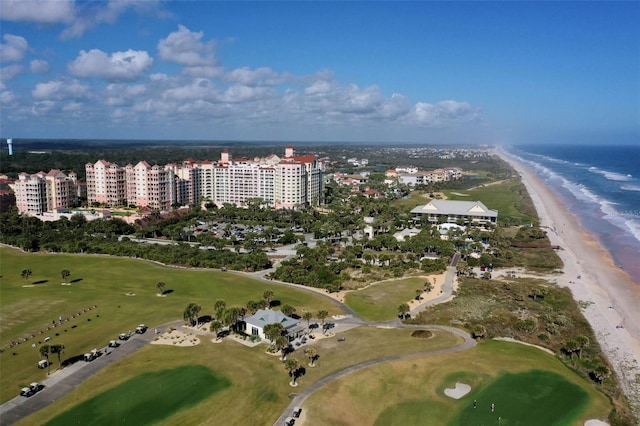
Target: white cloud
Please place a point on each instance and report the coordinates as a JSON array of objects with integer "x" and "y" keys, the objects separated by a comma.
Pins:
[
  {"x": 198, "y": 88},
  {"x": 7, "y": 97},
  {"x": 91, "y": 14},
  {"x": 117, "y": 66},
  {"x": 13, "y": 49},
  {"x": 39, "y": 66},
  {"x": 249, "y": 77},
  {"x": 60, "y": 89},
  {"x": 122, "y": 94},
  {"x": 42, "y": 107},
  {"x": 185, "y": 47},
  {"x": 158, "y": 77},
  {"x": 38, "y": 11},
  {"x": 204, "y": 72},
  {"x": 442, "y": 113},
  {"x": 10, "y": 72},
  {"x": 241, "y": 93}
]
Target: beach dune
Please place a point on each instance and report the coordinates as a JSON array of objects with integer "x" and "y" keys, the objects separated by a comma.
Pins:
[{"x": 613, "y": 298}]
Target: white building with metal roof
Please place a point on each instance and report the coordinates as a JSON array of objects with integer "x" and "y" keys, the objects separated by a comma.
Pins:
[{"x": 452, "y": 211}]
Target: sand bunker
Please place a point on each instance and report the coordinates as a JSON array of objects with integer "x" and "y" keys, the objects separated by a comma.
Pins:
[
  {"x": 594, "y": 422},
  {"x": 176, "y": 338},
  {"x": 459, "y": 391}
]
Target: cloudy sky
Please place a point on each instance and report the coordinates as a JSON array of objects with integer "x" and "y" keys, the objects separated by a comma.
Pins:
[{"x": 507, "y": 72}]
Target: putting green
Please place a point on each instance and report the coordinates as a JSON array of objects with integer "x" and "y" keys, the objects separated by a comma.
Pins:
[
  {"x": 531, "y": 398},
  {"x": 147, "y": 398}
]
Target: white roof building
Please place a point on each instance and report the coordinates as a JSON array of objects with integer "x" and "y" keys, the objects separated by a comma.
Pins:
[
  {"x": 451, "y": 211},
  {"x": 255, "y": 323}
]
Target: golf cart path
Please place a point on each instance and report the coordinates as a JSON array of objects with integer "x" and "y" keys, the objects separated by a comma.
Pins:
[
  {"x": 300, "y": 398},
  {"x": 64, "y": 381}
]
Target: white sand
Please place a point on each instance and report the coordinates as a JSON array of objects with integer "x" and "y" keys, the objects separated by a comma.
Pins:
[
  {"x": 176, "y": 338},
  {"x": 595, "y": 422},
  {"x": 613, "y": 296},
  {"x": 459, "y": 391}
]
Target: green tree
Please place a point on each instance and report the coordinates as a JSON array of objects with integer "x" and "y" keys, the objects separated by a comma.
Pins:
[
  {"x": 191, "y": 313},
  {"x": 219, "y": 308},
  {"x": 26, "y": 273},
  {"x": 288, "y": 310},
  {"x": 291, "y": 366},
  {"x": 583, "y": 342},
  {"x": 57, "y": 349},
  {"x": 312, "y": 354},
  {"x": 45, "y": 350},
  {"x": 161, "y": 287},
  {"x": 272, "y": 331},
  {"x": 571, "y": 347},
  {"x": 322, "y": 315},
  {"x": 268, "y": 296},
  {"x": 403, "y": 310},
  {"x": 601, "y": 372},
  {"x": 65, "y": 274},
  {"x": 215, "y": 327},
  {"x": 282, "y": 344},
  {"x": 307, "y": 317},
  {"x": 479, "y": 331}
]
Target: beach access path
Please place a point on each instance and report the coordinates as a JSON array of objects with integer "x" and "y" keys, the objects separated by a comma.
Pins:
[{"x": 611, "y": 297}]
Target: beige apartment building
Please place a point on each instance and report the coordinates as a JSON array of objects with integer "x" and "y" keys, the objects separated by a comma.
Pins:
[{"x": 41, "y": 192}]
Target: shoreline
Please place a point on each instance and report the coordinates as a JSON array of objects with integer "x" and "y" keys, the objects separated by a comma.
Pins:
[{"x": 592, "y": 275}]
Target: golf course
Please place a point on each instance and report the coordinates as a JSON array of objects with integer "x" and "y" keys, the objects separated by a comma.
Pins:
[{"x": 227, "y": 382}]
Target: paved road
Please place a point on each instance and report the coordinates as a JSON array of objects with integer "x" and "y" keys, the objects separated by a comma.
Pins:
[
  {"x": 299, "y": 399},
  {"x": 66, "y": 380}
]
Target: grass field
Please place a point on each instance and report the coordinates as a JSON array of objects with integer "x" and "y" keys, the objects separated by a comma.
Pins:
[
  {"x": 411, "y": 392},
  {"x": 380, "y": 302},
  {"x": 28, "y": 309},
  {"x": 259, "y": 390},
  {"x": 147, "y": 398}
]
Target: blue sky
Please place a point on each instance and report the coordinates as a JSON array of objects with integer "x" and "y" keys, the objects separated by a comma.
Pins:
[{"x": 432, "y": 72}]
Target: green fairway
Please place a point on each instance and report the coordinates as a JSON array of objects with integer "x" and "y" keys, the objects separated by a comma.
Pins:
[
  {"x": 124, "y": 294},
  {"x": 380, "y": 302},
  {"x": 411, "y": 392},
  {"x": 147, "y": 398},
  {"x": 526, "y": 399}
]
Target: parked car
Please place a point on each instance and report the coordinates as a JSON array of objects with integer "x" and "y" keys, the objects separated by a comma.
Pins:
[
  {"x": 43, "y": 363},
  {"x": 141, "y": 329},
  {"x": 113, "y": 344}
]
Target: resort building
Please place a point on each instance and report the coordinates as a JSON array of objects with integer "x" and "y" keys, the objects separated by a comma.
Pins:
[
  {"x": 43, "y": 192},
  {"x": 450, "y": 211},
  {"x": 290, "y": 182},
  {"x": 255, "y": 323}
]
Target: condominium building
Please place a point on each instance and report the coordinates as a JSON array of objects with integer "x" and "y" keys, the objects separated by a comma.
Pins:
[
  {"x": 289, "y": 182},
  {"x": 106, "y": 183},
  {"x": 41, "y": 192}
]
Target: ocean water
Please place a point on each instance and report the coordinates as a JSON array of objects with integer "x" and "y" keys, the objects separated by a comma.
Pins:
[{"x": 601, "y": 186}]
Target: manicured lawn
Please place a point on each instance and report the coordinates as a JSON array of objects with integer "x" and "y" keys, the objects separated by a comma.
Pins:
[
  {"x": 380, "y": 302},
  {"x": 399, "y": 392},
  {"x": 147, "y": 398},
  {"x": 28, "y": 309},
  {"x": 259, "y": 390}
]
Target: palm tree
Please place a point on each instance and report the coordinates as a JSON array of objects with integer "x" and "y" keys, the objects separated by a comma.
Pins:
[
  {"x": 288, "y": 310},
  {"x": 272, "y": 331},
  {"x": 268, "y": 296},
  {"x": 26, "y": 273},
  {"x": 45, "y": 350},
  {"x": 479, "y": 331},
  {"x": 403, "y": 309},
  {"x": 161, "y": 286},
  {"x": 307, "y": 317},
  {"x": 291, "y": 366},
  {"x": 418, "y": 293},
  {"x": 57, "y": 349},
  {"x": 322, "y": 315},
  {"x": 601, "y": 372},
  {"x": 191, "y": 312},
  {"x": 312, "y": 354},
  {"x": 570, "y": 347},
  {"x": 282, "y": 343},
  {"x": 583, "y": 342},
  {"x": 219, "y": 307},
  {"x": 215, "y": 327},
  {"x": 65, "y": 274}
]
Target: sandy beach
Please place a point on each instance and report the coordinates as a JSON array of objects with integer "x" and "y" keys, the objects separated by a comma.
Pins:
[{"x": 592, "y": 276}]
